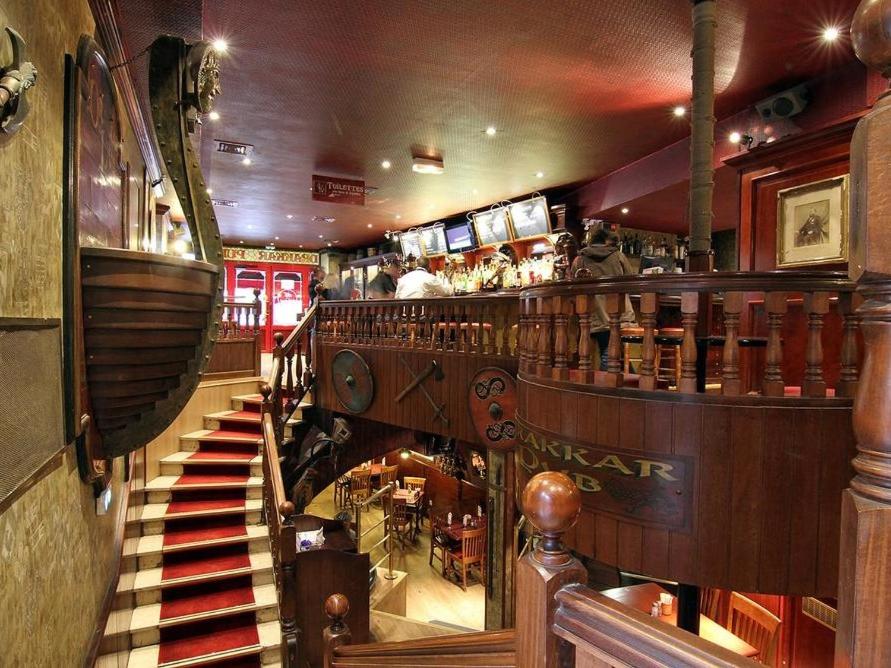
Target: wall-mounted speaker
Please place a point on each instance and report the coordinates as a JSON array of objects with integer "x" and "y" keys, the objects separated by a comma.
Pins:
[{"x": 784, "y": 105}]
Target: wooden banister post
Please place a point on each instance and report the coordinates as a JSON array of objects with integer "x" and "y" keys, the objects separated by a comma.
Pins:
[
  {"x": 776, "y": 306},
  {"x": 338, "y": 633},
  {"x": 816, "y": 305},
  {"x": 730, "y": 384},
  {"x": 648, "y": 308},
  {"x": 287, "y": 581},
  {"x": 863, "y": 637},
  {"x": 847, "y": 382},
  {"x": 551, "y": 503},
  {"x": 689, "y": 316}
]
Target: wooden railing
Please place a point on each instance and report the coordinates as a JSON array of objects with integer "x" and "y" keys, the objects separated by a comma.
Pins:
[
  {"x": 560, "y": 621},
  {"x": 385, "y": 496},
  {"x": 292, "y": 375},
  {"x": 719, "y": 314},
  {"x": 240, "y": 320},
  {"x": 478, "y": 324}
]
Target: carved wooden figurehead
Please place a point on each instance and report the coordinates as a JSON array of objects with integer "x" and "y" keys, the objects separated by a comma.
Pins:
[{"x": 552, "y": 503}]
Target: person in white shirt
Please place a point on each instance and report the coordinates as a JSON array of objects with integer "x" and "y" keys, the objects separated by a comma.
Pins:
[{"x": 421, "y": 284}]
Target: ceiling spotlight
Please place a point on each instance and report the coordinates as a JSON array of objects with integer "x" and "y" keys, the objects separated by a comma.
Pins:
[
  {"x": 214, "y": 115},
  {"x": 241, "y": 242},
  {"x": 539, "y": 175},
  {"x": 625, "y": 210},
  {"x": 246, "y": 161},
  {"x": 398, "y": 216},
  {"x": 250, "y": 227},
  {"x": 210, "y": 191},
  {"x": 220, "y": 46},
  {"x": 276, "y": 238},
  {"x": 321, "y": 236},
  {"x": 329, "y": 243},
  {"x": 369, "y": 225},
  {"x": 831, "y": 33},
  {"x": 735, "y": 137},
  {"x": 290, "y": 216},
  {"x": 301, "y": 245},
  {"x": 680, "y": 111},
  {"x": 386, "y": 164},
  {"x": 491, "y": 130},
  {"x": 427, "y": 165}
]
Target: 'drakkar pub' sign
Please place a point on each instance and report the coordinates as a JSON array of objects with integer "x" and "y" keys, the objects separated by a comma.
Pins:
[{"x": 337, "y": 191}]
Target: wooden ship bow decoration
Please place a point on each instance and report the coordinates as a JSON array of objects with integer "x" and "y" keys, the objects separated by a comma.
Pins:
[{"x": 149, "y": 320}]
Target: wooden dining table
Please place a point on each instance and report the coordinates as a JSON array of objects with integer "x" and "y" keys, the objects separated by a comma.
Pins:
[
  {"x": 455, "y": 530},
  {"x": 414, "y": 502},
  {"x": 641, "y": 597}
]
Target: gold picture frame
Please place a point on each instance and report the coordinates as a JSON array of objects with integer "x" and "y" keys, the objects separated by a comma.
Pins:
[{"x": 812, "y": 223}]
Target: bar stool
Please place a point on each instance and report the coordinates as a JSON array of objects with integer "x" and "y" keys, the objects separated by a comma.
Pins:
[
  {"x": 668, "y": 354},
  {"x": 628, "y": 332}
]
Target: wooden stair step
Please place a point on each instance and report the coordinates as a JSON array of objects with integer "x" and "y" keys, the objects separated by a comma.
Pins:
[
  {"x": 174, "y": 483},
  {"x": 154, "y": 545},
  {"x": 159, "y": 511},
  {"x": 221, "y": 436},
  {"x": 149, "y": 580}
]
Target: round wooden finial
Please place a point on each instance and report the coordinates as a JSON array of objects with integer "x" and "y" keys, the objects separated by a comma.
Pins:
[
  {"x": 265, "y": 390},
  {"x": 871, "y": 34},
  {"x": 286, "y": 509},
  {"x": 552, "y": 503},
  {"x": 279, "y": 337},
  {"x": 337, "y": 606}
]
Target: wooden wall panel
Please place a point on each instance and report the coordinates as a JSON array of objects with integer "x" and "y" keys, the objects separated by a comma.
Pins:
[{"x": 766, "y": 484}]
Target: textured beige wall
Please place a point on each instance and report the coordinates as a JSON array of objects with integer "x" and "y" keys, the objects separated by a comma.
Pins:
[{"x": 56, "y": 556}]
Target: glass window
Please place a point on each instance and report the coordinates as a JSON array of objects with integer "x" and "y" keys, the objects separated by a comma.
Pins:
[{"x": 287, "y": 298}]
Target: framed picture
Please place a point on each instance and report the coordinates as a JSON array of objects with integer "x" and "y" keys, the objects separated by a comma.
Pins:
[
  {"x": 434, "y": 240},
  {"x": 812, "y": 223},
  {"x": 492, "y": 227},
  {"x": 530, "y": 219}
]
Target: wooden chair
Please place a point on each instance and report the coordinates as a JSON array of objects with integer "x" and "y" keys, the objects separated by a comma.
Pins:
[
  {"x": 360, "y": 486},
  {"x": 472, "y": 552},
  {"x": 388, "y": 475},
  {"x": 412, "y": 483},
  {"x": 440, "y": 542},
  {"x": 755, "y": 625},
  {"x": 400, "y": 521},
  {"x": 712, "y": 604},
  {"x": 342, "y": 491}
]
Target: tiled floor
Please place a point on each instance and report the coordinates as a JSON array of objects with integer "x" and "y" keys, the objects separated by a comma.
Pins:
[{"x": 429, "y": 597}]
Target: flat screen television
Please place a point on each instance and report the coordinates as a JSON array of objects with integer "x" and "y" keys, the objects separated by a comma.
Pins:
[
  {"x": 530, "y": 218},
  {"x": 492, "y": 227},
  {"x": 411, "y": 244},
  {"x": 434, "y": 240},
  {"x": 459, "y": 238}
]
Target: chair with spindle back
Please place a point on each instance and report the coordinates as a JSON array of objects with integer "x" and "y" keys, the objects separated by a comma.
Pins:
[
  {"x": 342, "y": 491},
  {"x": 713, "y": 604},
  {"x": 400, "y": 520},
  {"x": 472, "y": 552},
  {"x": 439, "y": 542},
  {"x": 412, "y": 483},
  {"x": 388, "y": 475},
  {"x": 360, "y": 485},
  {"x": 755, "y": 625}
]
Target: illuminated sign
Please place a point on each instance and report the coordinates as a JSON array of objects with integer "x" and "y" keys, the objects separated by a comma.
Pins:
[
  {"x": 338, "y": 191},
  {"x": 648, "y": 488},
  {"x": 276, "y": 256}
]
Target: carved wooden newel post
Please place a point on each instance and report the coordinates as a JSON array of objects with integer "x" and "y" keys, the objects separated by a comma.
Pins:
[
  {"x": 864, "y": 632},
  {"x": 551, "y": 503},
  {"x": 338, "y": 633}
]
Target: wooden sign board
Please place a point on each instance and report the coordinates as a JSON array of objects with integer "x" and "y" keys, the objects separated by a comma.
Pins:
[
  {"x": 338, "y": 191},
  {"x": 654, "y": 489},
  {"x": 273, "y": 256}
]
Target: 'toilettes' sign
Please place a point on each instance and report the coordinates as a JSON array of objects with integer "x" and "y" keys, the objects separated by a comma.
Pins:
[
  {"x": 337, "y": 191},
  {"x": 648, "y": 488}
]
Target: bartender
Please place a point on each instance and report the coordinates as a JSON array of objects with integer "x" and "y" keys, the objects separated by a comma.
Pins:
[{"x": 421, "y": 284}]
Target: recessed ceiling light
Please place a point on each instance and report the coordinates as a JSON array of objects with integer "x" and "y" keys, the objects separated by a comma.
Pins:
[
  {"x": 321, "y": 236},
  {"x": 329, "y": 243},
  {"x": 491, "y": 130},
  {"x": 241, "y": 242},
  {"x": 276, "y": 238},
  {"x": 220, "y": 45},
  {"x": 539, "y": 175},
  {"x": 398, "y": 216},
  {"x": 680, "y": 111},
  {"x": 301, "y": 245},
  {"x": 214, "y": 115},
  {"x": 250, "y": 227},
  {"x": 427, "y": 165},
  {"x": 831, "y": 33},
  {"x": 386, "y": 164},
  {"x": 476, "y": 192},
  {"x": 369, "y": 224},
  {"x": 210, "y": 191},
  {"x": 625, "y": 210},
  {"x": 735, "y": 138},
  {"x": 290, "y": 216},
  {"x": 246, "y": 161}
]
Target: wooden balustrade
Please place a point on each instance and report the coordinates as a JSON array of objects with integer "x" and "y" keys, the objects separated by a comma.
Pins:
[
  {"x": 475, "y": 325},
  {"x": 240, "y": 320},
  {"x": 756, "y": 335}
]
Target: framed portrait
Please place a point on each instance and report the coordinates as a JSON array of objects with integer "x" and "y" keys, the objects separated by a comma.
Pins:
[{"x": 812, "y": 223}]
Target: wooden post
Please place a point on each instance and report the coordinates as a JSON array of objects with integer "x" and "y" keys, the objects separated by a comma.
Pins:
[
  {"x": 730, "y": 384},
  {"x": 689, "y": 311},
  {"x": 338, "y": 633},
  {"x": 816, "y": 305},
  {"x": 545, "y": 340},
  {"x": 551, "y": 503},
  {"x": 648, "y": 307},
  {"x": 561, "y": 337},
  {"x": 287, "y": 581},
  {"x": 584, "y": 305},
  {"x": 615, "y": 304},
  {"x": 863, "y": 637},
  {"x": 776, "y": 306},
  {"x": 847, "y": 382}
]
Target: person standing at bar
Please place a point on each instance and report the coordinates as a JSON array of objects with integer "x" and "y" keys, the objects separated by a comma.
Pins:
[
  {"x": 421, "y": 284},
  {"x": 601, "y": 258},
  {"x": 383, "y": 286},
  {"x": 318, "y": 277}
]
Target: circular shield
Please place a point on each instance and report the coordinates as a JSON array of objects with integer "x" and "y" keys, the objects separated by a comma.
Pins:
[
  {"x": 352, "y": 380},
  {"x": 493, "y": 406}
]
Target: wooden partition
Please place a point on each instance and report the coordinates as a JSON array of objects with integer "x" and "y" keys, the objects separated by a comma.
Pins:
[{"x": 238, "y": 342}]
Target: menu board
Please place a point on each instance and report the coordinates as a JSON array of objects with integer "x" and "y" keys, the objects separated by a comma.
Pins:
[
  {"x": 411, "y": 244},
  {"x": 530, "y": 218},
  {"x": 434, "y": 240},
  {"x": 491, "y": 227},
  {"x": 459, "y": 238}
]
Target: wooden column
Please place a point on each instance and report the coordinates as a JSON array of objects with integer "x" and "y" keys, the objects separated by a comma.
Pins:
[
  {"x": 864, "y": 627},
  {"x": 551, "y": 503}
]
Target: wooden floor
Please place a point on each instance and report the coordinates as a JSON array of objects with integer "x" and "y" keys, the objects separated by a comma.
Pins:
[{"x": 430, "y": 598}]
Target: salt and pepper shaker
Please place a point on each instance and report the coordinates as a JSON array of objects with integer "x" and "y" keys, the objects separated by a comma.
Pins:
[
  {"x": 449, "y": 519},
  {"x": 656, "y": 609},
  {"x": 479, "y": 511}
]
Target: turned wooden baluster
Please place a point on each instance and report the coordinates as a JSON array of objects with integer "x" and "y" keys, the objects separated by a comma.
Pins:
[
  {"x": 689, "y": 316},
  {"x": 847, "y": 382},
  {"x": 289, "y": 373},
  {"x": 730, "y": 382},
  {"x": 551, "y": 503},
  {"x": 337, "y": 607},
  {"x": 648, "y": 307},
  {"x": 256, "y": 309},
  {"x": 525, "y": 334},
  {"x": 544, "y": 358},
  {"x": 816, "y": 305},
  {"x": 298, "y": 366},
  {"x": 584, "y": 307},
  {"x": 615, "y": 304},
  {"x": 776, "y": 306},
  {"x": 561, "y": 306}
]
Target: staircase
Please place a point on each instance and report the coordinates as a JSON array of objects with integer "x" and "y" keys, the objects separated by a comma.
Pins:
[{"x": 204, "y": 590}]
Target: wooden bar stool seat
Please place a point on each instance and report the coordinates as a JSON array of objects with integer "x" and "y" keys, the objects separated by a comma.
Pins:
[{"x": 668, "y": 354}]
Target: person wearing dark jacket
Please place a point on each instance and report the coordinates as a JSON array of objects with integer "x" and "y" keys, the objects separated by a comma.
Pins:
[
  {"x": 601, "y": 258},
  {"x": 383, "y": 286}
]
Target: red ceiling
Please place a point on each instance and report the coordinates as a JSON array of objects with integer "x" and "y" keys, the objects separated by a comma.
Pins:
[{"x": 576, "y": 88}]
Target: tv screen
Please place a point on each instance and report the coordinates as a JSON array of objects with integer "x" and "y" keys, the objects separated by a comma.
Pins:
[
  {"x": 411, "y": 244},
  {"x": 492, "y": 227},
  {"x": 530, "y": 218},
  {"x": 434, "y": 240},
  {"x": 459, "y": 238}
]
